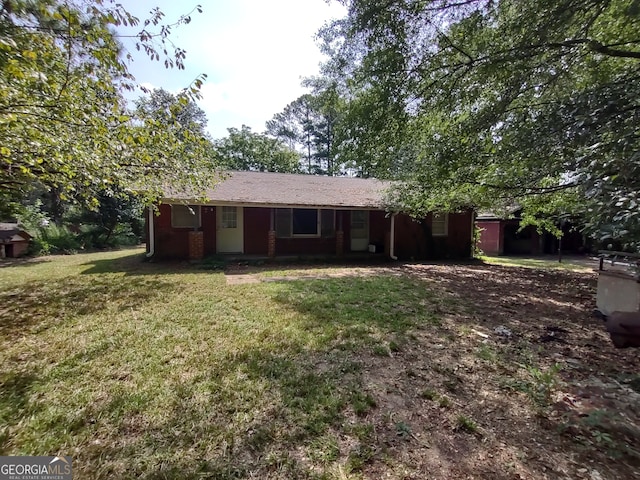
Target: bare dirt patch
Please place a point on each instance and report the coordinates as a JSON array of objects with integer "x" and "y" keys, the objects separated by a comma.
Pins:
[
  {"x": 237, "y": 274},
  {"x": 517, "y": 381},
  {"x": 520, "y": 382}
]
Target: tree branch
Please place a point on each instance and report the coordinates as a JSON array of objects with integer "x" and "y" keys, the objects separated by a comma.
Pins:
[
  {"x": 612, "y": 52},
  {"x": 528, "y": 190}
]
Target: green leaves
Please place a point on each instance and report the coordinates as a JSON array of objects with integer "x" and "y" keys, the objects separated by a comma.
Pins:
[
  {"x": 63, "y": 118},
  {"x": 487, "y": 103},
  {"x": 245, "y": 150}
]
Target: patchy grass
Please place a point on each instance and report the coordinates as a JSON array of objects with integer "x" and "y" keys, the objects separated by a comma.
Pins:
[
  {"x": 572, "y": 264},
  {"x": 143, "y": 370},
  {"x": 466, "y": 424}
]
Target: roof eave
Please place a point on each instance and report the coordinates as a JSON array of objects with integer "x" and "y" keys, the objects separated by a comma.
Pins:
[{"x": 214, "y": 203}]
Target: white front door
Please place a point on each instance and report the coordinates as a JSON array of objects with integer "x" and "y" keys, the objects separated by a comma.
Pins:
[
  {"x": 359, "y": 230},
  {"x": 229, "y": 230}
]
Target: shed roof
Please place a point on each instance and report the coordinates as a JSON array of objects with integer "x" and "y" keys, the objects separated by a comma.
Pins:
[
  {"x": 9, "y": 230},
  {"x": 488, "y": 216},
  {"x": 292, "y": 190},
  {"x": 505, "y": 213}
]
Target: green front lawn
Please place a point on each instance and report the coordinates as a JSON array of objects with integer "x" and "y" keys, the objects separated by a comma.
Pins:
[
  {"x": 582, "y": 264},
  {"x": 135, "y": 368},
  {"x": 142, "y": 370}
]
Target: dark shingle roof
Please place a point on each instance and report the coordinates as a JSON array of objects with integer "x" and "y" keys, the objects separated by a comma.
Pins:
[
  {"x": 8, "y": 230},
  {"x": 487, "y": 216},
  {"x": 510, "y": 211},
  {"x": 285, "y": 189}
]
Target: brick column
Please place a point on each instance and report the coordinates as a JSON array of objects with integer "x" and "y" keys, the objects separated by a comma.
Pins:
[
  {"x": 271, "y": 242},
  {"x": 339, "y": 243},
  {"x": 196, "y": 245}
]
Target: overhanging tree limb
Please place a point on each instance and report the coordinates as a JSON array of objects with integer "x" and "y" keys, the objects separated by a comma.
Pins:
[{"x": 519, "y": 95}]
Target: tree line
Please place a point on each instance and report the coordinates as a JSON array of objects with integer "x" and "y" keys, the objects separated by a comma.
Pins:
[{"x": 483, "y": 103}]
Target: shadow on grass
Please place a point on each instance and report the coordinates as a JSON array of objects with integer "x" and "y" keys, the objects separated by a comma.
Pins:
[
  {"x": 548, "y": 312},
  {"x": 292, "y": 409},
  {"x": 256, "y": 436},
  {"x": 389, "y": 303},
  {"x": 133, "y": 264},
  {"x": 283, "y": 267},
  {"x": 302, "y": 406},
  {"x": 302, "y": 425},
  {"x": 546, "y": 262},
  {"x": 41, "y": 304},
  {"x": 239, "y": 432},
  {"x": 138, "y": 264},
  {"x": 14, "y": 401},
  {"x": 22, "y": 262},
  {"x": 519, "y": 297}
]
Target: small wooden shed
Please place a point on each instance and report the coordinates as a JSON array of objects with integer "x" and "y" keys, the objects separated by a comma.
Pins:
[{"x": 14, "y": 240}]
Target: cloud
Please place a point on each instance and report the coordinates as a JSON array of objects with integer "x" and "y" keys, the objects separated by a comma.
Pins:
[
  {"x": 257, "y": 58},
  {"x": 255, "y": 54},
  {"x": 233, "y": 103}
]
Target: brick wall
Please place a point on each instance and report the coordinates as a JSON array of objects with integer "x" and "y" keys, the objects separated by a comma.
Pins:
[
  {"x": 414, "y": 239},
  {"x": 196, "y": 245}
]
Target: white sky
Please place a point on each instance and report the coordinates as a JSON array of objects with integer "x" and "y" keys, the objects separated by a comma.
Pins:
[{"x": 255, "y": 53}]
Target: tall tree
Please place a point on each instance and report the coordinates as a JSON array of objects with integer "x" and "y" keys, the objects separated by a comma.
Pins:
[
  {"x": 284, "y": 127},
  {"x": 172, "y": 109},
  {"x": 63, "y": 118},
  {"x": 308, "y": 124},
  {"x": 534, "y": 101},
  {"x": 245, "y": 150},
  {"x": 328, "y": 107}
]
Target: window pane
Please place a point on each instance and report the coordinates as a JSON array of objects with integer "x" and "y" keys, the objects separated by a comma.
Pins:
[
  {"x": 358, "y": 219},
  {"x": 183, "y": 216},
  {"x": 229, "y": 217},
  {"x": 439, "y": 224},
  {"x": 305, "y": 221},
  {"x": 283, "y": 222},
  {"x": 360, "y": 227},
  {"x": 328, "y": 224}
]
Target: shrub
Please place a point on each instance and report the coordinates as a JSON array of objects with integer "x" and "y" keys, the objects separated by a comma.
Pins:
[
  {"x": 38, "y": 246},
  {"x": 59, "y": 239}
]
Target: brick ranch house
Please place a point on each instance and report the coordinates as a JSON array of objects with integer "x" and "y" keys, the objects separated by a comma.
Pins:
[{"x": 277, "y": 214}]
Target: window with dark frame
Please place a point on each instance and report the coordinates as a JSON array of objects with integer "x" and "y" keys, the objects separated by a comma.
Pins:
[
  {"x": 439, "y": 224},
  {"x": 359, "y": 219},
  {"x": 185, "y": 216},
  {"x": 304, "y": 222},
  {"x": 327, "y": 223},
  {"x": 283, "y": 222}
]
